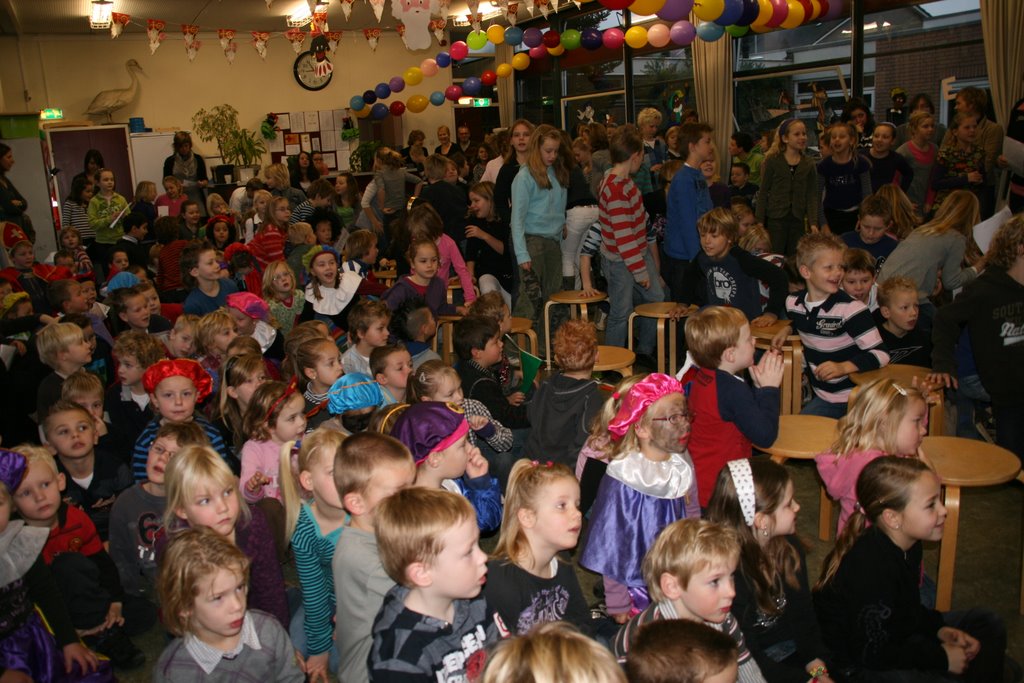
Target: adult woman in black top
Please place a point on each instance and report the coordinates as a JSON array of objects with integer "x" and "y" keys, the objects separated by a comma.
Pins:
[
  {"x": 446, "y": 146},
  {"x": 188, "y": 167},
  {"x": 12, "y": 204},
  {"x": 302, "y": 172}
]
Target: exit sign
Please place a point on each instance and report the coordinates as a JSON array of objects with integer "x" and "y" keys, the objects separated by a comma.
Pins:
[
  {"x": 51, "y": 114},
  {"x": 481, "y": 101}
]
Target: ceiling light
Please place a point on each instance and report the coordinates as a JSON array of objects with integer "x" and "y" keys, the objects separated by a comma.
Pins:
[
  {"x": 101, "y": 11},
  {"x": 301, "y": 17}
]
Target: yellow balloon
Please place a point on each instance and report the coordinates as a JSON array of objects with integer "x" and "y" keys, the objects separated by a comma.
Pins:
[
  {"x": 413, "y": 76},
  {"x": 496, "y": 34},
  {"x": 815, "y": 10},
  {"x": 556, "y": 50},
  {"x": 363, "y": 113},
  {"x": 504, "y": 70},
  {"x": 636, "y": 37},
  {"x": 764, "y": 13},
  {"x": 708, "y": 10},
  {"x": 646, "y": 7},
  {"x": 416, "y": 103},
  {"x": 521, "y": 61},
  {"x": 795, "y": 16}
]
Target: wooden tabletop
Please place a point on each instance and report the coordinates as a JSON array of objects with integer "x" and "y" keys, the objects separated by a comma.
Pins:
[
  {"x": 769, "y": 331},
  {"x": 613, "y": 358},
  {"x": 664, "y": 309},
  {"x": 803, "y": 436},
  {"x": 967, "y": 462},
  {"x": 386, "y": 274},
  {"x": 576, "y": 297},
  {"x": 904, "y": 374},
  {"x": 520, "y": 325}
]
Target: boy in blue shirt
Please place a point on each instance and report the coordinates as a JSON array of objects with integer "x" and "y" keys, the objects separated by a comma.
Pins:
[{"x": 688, "y": 200}]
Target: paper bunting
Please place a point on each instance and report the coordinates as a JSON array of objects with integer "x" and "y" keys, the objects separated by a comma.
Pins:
[
  {"x": 511, "y": 13},
  {"x": 346, "y": 7},
  {"x": 229, "y": 51},
  {"x": 319, "y": 24},
  {"x": 442, "y": 7},
  {"x": 189, "y": 33},
  {"x": 226, "y": 35},
  {"x": 400, "y": 27},
  {"x": 259, "y": 41},
  {"x": 155, "y": 33},
  {"x": 476, "y": 21},
  {"x": 437, "y": 26},
  {"x": 372, "y": 35},
  {"x": 544, "y": 6},
  {"x": 378, "y": 8},
  {"x": 296, "y": 36},
  {"x": 117, "y": 23},
  {"x": 474, "y": 6},
  {"x": 333, "y": 38},
  {"x": 192, "y": 49}
]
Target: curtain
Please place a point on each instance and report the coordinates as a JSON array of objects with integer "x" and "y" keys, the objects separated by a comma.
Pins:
[
  {"x": 506, "y": 87},
  {"x": 1001, "y": 28},
  {"x": 712, "y": 78}
]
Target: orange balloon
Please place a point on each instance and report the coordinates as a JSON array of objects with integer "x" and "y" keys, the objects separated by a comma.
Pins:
[
  {"x": 556, "y": 50},
  {"x": 504, "y": 70},
  {"x": 363, "y": 113},
  {"x": 764, "y": 13},
  {"x": 795, "y": 16},
  {"x": 521, "y": 61},
  {"x": 815, "y": 10}
]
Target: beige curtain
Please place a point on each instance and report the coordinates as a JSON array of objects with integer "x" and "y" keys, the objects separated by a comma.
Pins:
[
  {"x": 1002, "y": 27},
  {"x": 712, "y": 77},
  {"x": 506, "y": 86}
]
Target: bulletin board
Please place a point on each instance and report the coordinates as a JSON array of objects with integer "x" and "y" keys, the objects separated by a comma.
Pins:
[{"x": 312, "y": 131}]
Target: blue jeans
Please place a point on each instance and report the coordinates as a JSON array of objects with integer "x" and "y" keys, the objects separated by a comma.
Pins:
[
  {"x": 819, "y": 406},
  {"x": 969, "y": 392},
  {"x": 623, "y": 295}
]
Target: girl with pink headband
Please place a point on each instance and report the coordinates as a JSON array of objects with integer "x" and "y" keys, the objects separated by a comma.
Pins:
[{"x": 649, "y": 484}]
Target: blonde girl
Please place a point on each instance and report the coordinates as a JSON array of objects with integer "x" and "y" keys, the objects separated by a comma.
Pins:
[
  {"x": 215, "y": 205},
  {"x": 331, "y": 292},
  {"x": 142, "y": 202},
  {"x": 203, "y": 492},
  {"x": 279, "y": 291},
  {"x": 527, "y": 581},
  {"x": 787, "y": 201},
  {"x": 554, "y": 652},
  {"x": 920, "y": 152},
  {"x": 754, "y": 497},
  {"x": 869, "y": 606},
  {"x": 904, "y": 216},
  {"x": 214, "y": 332},
  {"x": 845, "y": 180},
  {"x": 938, "y": 249},
  {"x": 260, "y": 214},
  {"x": 242, "y": 375},
  {"x": 598, "y": 446},
  {"x": 268, "y": 243},
  {"x": 104, "y": 207},
  {"x": 71, "y": 240},
  {"x": 274, "y": 417},
  {"x": 884, "y": 418},
  {"x": 756, "y": 241},
  {"x": 487, "y": 255},
  {"x": 314, "y": 519},
  {"x": 173, "y": 196},
  {"x": 318, "y": 365},
  {"x": 960, "y": 162}
]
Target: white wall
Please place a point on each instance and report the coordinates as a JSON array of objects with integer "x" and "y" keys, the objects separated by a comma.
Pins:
[{"x": 68, "y": 71}]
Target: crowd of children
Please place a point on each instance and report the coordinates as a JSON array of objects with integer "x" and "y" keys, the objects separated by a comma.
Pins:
[{"x": 247, "y": 393}]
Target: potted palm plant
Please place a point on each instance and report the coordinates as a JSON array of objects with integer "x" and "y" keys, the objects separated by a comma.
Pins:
[{"x": 240, "y": 150}]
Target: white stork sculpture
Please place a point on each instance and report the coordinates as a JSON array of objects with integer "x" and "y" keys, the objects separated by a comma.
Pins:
[{"x": 107, "y": 101}]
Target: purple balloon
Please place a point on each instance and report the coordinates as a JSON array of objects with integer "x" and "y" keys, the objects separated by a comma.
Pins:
[
  {"x": 590, "y": 38},
  {"x": 750, "y": 11},
  {"x": 674, "y": 10},
  {"x": 397, "y": 84},
  {"x": 443, "y": 59},
  {"x": 532, "y": 37},
  {"x": 682, "y": 33},
  {"x": 369, "y": 97},
  {"x": 732, "y": 10},
  {"x": 383, "y": 91}
]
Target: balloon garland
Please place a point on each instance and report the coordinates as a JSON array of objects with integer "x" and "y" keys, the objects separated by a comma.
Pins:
[{"x": 717, "y": 18}]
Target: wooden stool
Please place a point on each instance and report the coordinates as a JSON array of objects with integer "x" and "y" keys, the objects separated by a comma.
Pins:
[
  {"x": 386, "y": 277},
  {"x": 615, "y": 358},
  {"x": 905, "y": 375},
  {"x": 661, "y": 312},
  {"x": 574, "y": 300},
  {"x": 453, "y": 284},
  {"x": 523, "y": 327},
  {"x": 793, "y": 364},
  {"x": 444, "y": 338}
]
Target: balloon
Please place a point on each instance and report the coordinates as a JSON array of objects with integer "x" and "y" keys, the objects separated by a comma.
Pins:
[
  {"x": 636, "y": 37},
  {"x": 397, "y": 108},
  {"x": 570, "y": 39},
  {"x": 539, "y": 52},
  {"x": 709, "y": 31},
  {"x": 674, "y": 10},
  {"x": 834, "y": 11},
  {"x": 708, "y": 10},
  {"x": 363, "y": 113},
  {"x": 532, "y": 37},
  {"x": 520, "y": 61},
  {"x": 428, "y": 67},
  {"x": 590, "y": 38},
  {"x": 764, "y": 13},
  {"x": 443, "y": 59},
  {"x": 816, "y": 10},
  {"x": 383, "y": 91},
  {"x": 646, "y": 7},
  {"x": 795, "y": 15},
  {"x": 556, "y": 51},
  {"x": 750, "y": 11},
  {"x": 458, "y": 51},
  {"x": 417, "y": 103},
  {"x": 737, "y": 31},
  {"x": 682, "y": 33},
  {"x": 453, "y": 93},
  {"x": 356, "y": 103},
  {"x": 477, "y": 39},
  {"x": 551, "y": 38},
  {"x": 658, "y": 35},
  {"x": 513, "y": 35},
  {"x": 616, "y": 5},
  {"x": 496, "y": 34},
  {"x": 369, "y": 97},
  {"x": 488, "y": 77},
  {"x": 397, "y": 84},
  {"x": 504, "y": 70},
  {"x": 437, "y": 98},
  {"x": 780, "y": 8},
  {"x": 471, "y": 86},
  {"x": 613, "y": 38},
  {"x": 379, "y": 111},
  {"x": 732, "y": 11},
  {"x": 413, "y": 75}
]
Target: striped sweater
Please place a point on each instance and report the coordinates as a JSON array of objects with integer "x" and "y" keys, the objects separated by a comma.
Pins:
[
  {"x": 623, "y": 225},
  {"x": 840, "y": 329},
  {"x": 314, "y": 552}
]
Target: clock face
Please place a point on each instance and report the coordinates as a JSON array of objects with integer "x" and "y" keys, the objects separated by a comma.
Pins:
[{"x": 306, "y": 75}]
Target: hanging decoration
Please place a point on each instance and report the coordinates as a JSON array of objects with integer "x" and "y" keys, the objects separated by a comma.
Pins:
[
  {"x": 319, "y": 47},
  {"x": 437, "y": 26},
  {"x": 346, "y": 7},
  {"x": 259, "y": 41},
  {"x": 117, "y": 23},
  {"x": 296, "y": 36},
  {"x": 319, "y": 23},
  {"x": 225, "y": 36},
  {"x": 400, "y": 29},
  {"x": 476, "y": 21},
  {"x": 189, "y": 33},
  {"x": 378, "y": 8},
  {"x": 544, "y": 6},
  {"x": 474, "y": 7},
  {"x": 511, "y": 13},
  {"x": 191, "y": 50},
  {"x": 155, "y": 33},
  {"x": 229, "y": 51},
  {"x": 372, "y": 35},
  {"x": 333, "y": 38},
  {"x": 414, "y": 15}
]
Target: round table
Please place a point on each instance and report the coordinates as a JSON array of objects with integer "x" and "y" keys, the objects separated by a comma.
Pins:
[
  {"x": 615, "y": 358},
  {"x": 662, "y": 312},
  {"x": 963, "y": 462},
  {"x": 906, "y": 375},
  {"x": 572, "y": 299},
  {"x": 793, "y": 363}
]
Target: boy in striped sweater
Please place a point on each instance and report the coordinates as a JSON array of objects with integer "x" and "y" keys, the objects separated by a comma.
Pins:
[
  {"x": 837, "y": 331},
  {"x": 627, "y": 260}
]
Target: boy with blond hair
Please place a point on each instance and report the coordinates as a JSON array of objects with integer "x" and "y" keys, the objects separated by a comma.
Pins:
[
  {"x": 368, "y": 328},
  {"x": 62, "y": 347},
  {"x": 688, "y": 572},
  {"x": 897, "y": 323},
  {"x": 728, "y": 415},
  {"x": 434, "y": 624},
  {"x": 368, "y": 468}
]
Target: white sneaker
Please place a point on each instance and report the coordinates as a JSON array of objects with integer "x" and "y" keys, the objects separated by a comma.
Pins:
[{"x": 600, "y": 319}]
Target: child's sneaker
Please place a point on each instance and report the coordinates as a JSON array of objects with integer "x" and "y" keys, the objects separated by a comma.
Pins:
[{"x": 117, "y": 646}]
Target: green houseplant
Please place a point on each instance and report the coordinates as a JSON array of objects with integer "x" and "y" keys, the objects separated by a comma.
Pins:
[{"x": 237, "y": 146}]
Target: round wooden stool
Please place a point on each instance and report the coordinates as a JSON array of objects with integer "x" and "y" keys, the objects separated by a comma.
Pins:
[
  {"x": 575, "y": 301},
  {"x": 523, "y": 327},
  {"x": 662, "y": 312},
  {"x": 444, "y": 337},
  {"x": 793, "y": 363},
  {"x": 386, "y": 277},
  {"x": 453, "y": 285},
  {"x": 615, "y": 358}
]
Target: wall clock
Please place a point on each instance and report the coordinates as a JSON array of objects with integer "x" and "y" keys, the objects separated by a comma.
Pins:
[{"x": 306, "y": 72}]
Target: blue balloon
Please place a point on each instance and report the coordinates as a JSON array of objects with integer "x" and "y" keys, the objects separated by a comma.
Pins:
[
  {"x": 513, "y": 35},
  {"x": 369, "y": 97},
  {"x": 443, "y": 59},
  {"x": 356, "y": 103},
  {"x": 437, "y": 98},
  {"x": 731, "y": 13},
  {"x": 709, "y": 31},
  {"x": 379, "y": 111},
  {"x": 383, "y": 91},
  {"x": 471, "y": 86},
  {"x": 590, "y": 38}
]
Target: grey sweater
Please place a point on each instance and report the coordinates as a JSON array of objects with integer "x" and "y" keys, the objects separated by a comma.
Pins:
[{"x": 920, "y": 256}]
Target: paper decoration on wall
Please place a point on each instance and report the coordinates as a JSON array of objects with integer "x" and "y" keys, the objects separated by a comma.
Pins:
[
  {"x": 372, "y": 35},
  {"x": 225, "y": 35},
  {"x": 117, "y": 23},
  {"x": 437, "y": 26},
  {"x": 259, "y": 41},
  {"x": 476, "y": 21},
  {"x": 319, "y": 47},
  {"x": 155, "y": 33},
  {"x": 229, "y": 51},
  {"x": 295, "y": 36},
  {"x": 189, "y": 33},
  {"x": 400, "y": 28},
  {"x": 193, "y": 49},
  {"x": 414, "y": 16},
  {"x": 474, "y": 6},
  {"x": 378, "y": 8},
  {"x": 333, "y": 38},
  {"x": 319, "y": 23},
  {"x": 346, "y": 7},
  {"x": 442, "y": 7},
  {"x": 544, "y": 6},
  {"x": 512, "y": 12}
]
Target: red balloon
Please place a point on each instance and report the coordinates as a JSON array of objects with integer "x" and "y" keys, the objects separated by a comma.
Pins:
[
  {"x": 488, "y": 77},
  {"x": 453, "y": 93},
  {"x": 780, "y": 10},
  {"x": 552, "y": 38},
  {"x": 397, "y": 108},
  {"x": 613, "y": 38},
  {"x": 539, "y": 52},
  {"x": 808, "y": 10}
]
